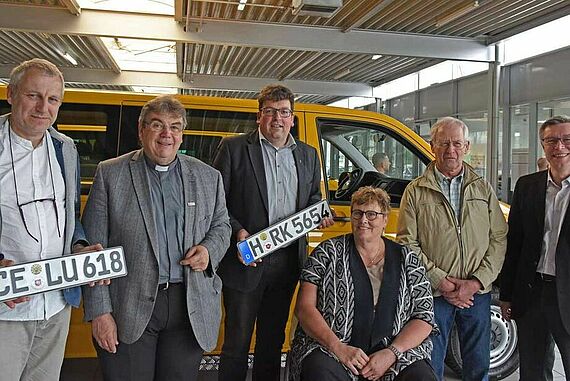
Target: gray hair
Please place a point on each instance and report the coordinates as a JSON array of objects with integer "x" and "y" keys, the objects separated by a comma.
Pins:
[
  {"x": 559, "y": 119},
  {"x": 378, "y": 157},
  {"x": 445, "y": 122},
  {"x": 39, "y": 64},
  {"x": 164, "y": 104}
]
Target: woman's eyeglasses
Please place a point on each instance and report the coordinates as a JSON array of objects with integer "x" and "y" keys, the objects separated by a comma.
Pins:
[{"x": 370, "y": 214}]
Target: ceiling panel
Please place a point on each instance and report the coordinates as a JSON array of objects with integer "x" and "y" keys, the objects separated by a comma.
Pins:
[
  {"x": 89, "y": 52},
  {"x": 489, "y": 21}
]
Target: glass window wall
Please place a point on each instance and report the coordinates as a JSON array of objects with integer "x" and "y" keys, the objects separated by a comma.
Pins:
[
  {"x": 547, "y": 110},
  {"x": 520, "y": 132},
  {"x": 478, "y": 126}
]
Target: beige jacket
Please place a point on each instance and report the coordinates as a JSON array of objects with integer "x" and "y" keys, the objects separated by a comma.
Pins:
[{"x": 473, "y": 248}]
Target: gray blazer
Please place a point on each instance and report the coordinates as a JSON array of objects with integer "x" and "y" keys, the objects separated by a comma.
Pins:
[{"x": 118, "y": 213}]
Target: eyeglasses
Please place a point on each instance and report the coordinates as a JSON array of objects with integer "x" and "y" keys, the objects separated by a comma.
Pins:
[
  {"x": 553, "y": 142},
  {"x": 21, "y": 205},
  {"x": 283, "y": 112},
  {"x": 370, "y": 214},
  {"x": 158, "y": 126},
  {"x": 457, "y": 144}
]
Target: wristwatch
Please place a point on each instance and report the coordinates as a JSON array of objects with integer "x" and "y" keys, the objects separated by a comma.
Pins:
[{"x": 395, "y": 351}]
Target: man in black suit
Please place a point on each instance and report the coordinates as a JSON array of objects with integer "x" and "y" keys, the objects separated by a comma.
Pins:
[
  {"x": 535, "y": 288},
  {"x": 267, "y": 176}
]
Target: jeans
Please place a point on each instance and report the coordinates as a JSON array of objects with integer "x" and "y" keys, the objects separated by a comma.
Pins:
[{"x": 474, "y": 329}]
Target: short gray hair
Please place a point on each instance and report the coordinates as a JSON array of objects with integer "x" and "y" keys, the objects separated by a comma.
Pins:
[
  {"x": 559, "y": 119},
  {"x": 39, "y": 64},
  {"x": 448, "y": 121},
  {"x": 378, "y": 157},
  {"x": 164, "y": 104}
]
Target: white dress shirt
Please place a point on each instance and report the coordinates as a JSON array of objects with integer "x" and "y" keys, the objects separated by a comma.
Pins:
[
  {"x": 34, "y": 182},
  {"x": 555, "y": 209}
]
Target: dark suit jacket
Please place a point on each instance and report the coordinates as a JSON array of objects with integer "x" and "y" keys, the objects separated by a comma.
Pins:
[
  {"x": 119, "y": 213},
  {"x": 240, "y": 161},
  {"x": 526, "y": 231}
]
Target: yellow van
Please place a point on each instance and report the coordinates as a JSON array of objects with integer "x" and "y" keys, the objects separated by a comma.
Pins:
[{"x": 104, "y": 125}]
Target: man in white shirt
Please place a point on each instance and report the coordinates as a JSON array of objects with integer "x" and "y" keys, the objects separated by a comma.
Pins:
[
  {"x": 39, "y": 209},
  {"x": 534, "y": 280}
]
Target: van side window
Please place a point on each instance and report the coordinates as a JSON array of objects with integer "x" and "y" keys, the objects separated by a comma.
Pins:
[
  {"x": 94, "y": 129},
  {"x": 204, "y": 131},
  {"x": 347, "y": 146}
]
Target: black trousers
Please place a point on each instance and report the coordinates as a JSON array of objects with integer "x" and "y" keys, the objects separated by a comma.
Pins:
[
  {"x": 321, "y": 367},
  {"x": 267, "y": 306},
  {"x": 166, "y": 351},
  {"x": 538, "y": 330}
]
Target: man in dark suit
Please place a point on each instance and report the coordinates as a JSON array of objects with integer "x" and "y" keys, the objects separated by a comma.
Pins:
[
  {"x": 168, "y": 212},
  {"x": 267, "y": 176},
  {"x": 535, "y": 288}
]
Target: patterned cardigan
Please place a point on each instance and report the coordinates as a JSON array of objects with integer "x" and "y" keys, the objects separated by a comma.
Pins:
[{"x": 328, "y": 269}]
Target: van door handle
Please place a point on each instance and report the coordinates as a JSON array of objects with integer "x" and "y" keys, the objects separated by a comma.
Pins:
[{"x": 341, "y": 219}]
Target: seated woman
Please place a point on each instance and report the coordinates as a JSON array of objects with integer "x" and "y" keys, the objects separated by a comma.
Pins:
[{"x": 365, "y": 306}]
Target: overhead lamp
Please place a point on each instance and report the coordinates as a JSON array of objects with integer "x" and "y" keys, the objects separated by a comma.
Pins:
[
  {"x": 241, "y": 5},
  {"x": 342, "y": 73},
  {"x": 376, "y": 56},
  {"x": 457, "y": 13},
  {"x": 69, "y": 58}
]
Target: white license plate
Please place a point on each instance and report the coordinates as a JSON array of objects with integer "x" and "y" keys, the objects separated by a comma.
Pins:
[
  {"x": 63, "y": 272},
  {"x": 284, "y": 232}
]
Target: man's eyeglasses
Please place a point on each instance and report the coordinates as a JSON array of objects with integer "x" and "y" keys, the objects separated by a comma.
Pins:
[
  {"x": 553, "y": 142},
  {"x": 283, "y": 112},
  {"x": 370, "y": 214},
  {"x": 457, "y": 144},
  {"x": 158, "y": 126},
  {"x": 21, "y": 205}
]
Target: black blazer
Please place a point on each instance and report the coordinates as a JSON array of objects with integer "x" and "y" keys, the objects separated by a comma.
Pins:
[
  {"x": 524, "y": 243},
  {"x": 240, "y": 160}
]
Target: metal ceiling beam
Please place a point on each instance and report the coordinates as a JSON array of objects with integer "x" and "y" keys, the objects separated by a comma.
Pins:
[
  {"x": 72, "y": 6},
  {"x": 100, "y": 46},
  {"x": 180, "y": 60},
  {"x": 179, "y": 10},
  {"x": 278, "y": 36},
  {"x": 200, "y": 81}
]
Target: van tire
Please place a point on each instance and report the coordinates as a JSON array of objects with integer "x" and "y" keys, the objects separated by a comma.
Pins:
[{"x": 504, "y": 350}]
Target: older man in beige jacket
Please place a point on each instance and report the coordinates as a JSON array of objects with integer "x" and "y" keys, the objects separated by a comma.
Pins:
[{"x": 452, "y": 218}]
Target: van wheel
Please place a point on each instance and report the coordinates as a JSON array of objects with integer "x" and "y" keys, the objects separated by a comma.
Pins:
[{"x": 504, "y": 352}]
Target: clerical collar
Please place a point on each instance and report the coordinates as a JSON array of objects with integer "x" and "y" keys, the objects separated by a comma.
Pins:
[{"x": 160, "y": 168}]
